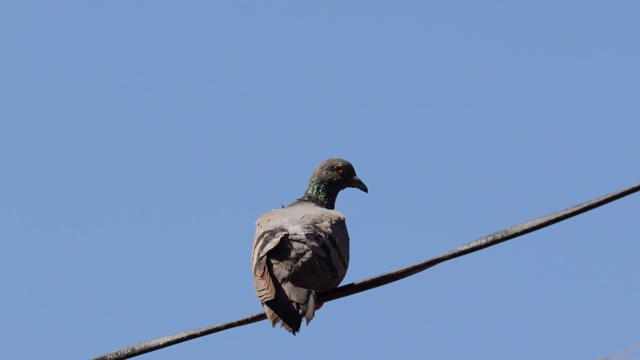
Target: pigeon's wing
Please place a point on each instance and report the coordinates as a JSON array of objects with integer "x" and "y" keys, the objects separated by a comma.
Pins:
[
  {"x": 265, "y": 241},
  {"x": 273, "y": 260},
  {"x": 326, "y": 265}
]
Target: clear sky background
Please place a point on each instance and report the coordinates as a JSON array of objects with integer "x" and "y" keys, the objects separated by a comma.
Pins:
[{"x": 140, "y": 140}]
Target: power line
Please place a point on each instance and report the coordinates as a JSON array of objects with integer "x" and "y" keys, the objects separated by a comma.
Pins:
[{"x": 383, "y": 279}]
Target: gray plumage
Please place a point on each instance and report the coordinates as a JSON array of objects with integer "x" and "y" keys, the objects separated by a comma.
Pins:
[{"x": 303, "y": 249}]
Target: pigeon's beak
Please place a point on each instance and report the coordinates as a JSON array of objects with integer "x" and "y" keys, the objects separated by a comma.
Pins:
[{"x": 358, "y": 184}]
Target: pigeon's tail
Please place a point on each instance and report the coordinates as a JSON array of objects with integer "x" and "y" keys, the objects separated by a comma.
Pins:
[{"x": 290, "y": 305}]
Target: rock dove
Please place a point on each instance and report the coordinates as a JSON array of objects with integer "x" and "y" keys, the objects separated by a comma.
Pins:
[{"x": 303, "y": 249}]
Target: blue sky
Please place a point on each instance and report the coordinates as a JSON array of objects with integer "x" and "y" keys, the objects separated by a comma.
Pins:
[{"x": 141, "y": 140}]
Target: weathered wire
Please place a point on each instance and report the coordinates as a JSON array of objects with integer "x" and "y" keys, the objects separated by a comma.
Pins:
[{"x": 383, "y": 279}]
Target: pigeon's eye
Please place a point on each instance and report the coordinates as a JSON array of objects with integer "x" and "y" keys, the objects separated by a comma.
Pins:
[{"x": 339, "y": 169}]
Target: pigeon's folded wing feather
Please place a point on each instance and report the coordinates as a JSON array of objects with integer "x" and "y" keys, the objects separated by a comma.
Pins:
[
  {"x": 328, "y": 244},
  {"x": 265, "y": 241}
]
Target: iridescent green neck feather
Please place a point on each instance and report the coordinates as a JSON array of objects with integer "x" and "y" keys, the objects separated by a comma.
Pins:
[{"x": 320, "y": 194}]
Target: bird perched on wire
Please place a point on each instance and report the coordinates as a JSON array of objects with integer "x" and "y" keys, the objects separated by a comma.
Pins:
[{"x": 303, "y": 249}]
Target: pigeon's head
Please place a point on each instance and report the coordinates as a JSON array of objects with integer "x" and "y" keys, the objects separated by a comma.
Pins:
[
  {"x": 329, "y": 178},
  {"x": 338, "y": 174}
]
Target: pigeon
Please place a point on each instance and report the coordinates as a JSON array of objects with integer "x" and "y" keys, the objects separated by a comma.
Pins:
[{"x": 303, "y": 249}]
